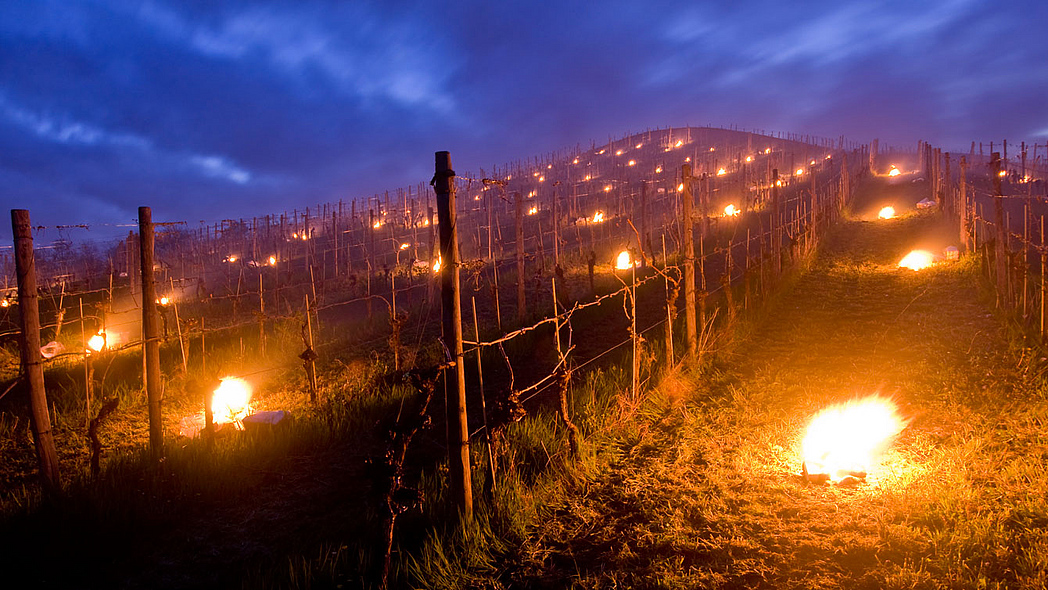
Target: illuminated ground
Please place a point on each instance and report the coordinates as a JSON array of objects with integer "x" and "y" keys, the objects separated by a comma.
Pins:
[{"x": 705, "y": 494}]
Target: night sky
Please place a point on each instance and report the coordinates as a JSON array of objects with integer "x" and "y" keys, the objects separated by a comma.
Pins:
[{"x": 207, "y": 110}]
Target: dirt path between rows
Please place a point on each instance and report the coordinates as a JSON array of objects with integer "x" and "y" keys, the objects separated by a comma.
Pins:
[{"x": 708, "y": 495}]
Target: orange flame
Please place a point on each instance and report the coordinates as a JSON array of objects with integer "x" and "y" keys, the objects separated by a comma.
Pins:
[{"x": 849, "y": 438}]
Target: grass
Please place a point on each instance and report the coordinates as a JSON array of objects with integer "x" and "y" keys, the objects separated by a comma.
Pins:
[
  {"x": 703, "y": 490},
  {"x": 692, "y": 484}
]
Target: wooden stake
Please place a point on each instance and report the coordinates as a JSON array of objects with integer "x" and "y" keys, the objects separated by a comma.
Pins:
[
  {"x": 483, "y": 405},
  {"x": 32, "y": 363},
  {"x": 457, "y": 424},
  {"x": 150, "y": 334},
  {"x": 691, "y": 329},
  {"x": 519, "y": 203}
]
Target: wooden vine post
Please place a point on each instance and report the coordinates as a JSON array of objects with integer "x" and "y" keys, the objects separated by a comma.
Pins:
[
  {"x": 519, "y": 204},
  {"x": 962, "y": 197},
  {"x": 1000, "y": 248},
  {"x": 32, "y": 367},
  {"x": 457, "y": 425},
  {"x": 150, "y": 333},
  {"x": 691, "y": 328}
]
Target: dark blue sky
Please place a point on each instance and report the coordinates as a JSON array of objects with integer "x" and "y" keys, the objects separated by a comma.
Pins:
[{"x": 207, "y": 109}]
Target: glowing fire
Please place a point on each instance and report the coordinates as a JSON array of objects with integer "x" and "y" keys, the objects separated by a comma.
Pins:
[
  {"x": 542, "y": 179},
  {"x": 598, "y": 217},
  {"x": 631, "y": 163},
  {"x": 894, "y": 171},
  {"x": 639, "y": 145},
  {"x": 688, "y": 159},
  {"x": 658, "y": 170},
  {"x": 917, "y": 260},
  {"x": 377, "y": 224},
  {"x": 163, "y": 300},
  {"x": 618, "y": 152},
  {"x": 849, "y": 438},
  {"x": 436, "y": 265},
  {"x": 812, "y": 163},
  {"x": 231, "y": 258},
  {"x": 405, "y": 246},
  {"x": 272, "y": 261},
  {"x": 230, "y": 401},
  {"x": 680, "y": 188},
  {"x": 731, "y": 211},
  {"x": 97, "y": 342},
  {"x": 800, "y": 171},
  {"x": 624, "y": 260},
  {"x": 722, "y": 172},
  {"x": 607, "y": 188},
  {"x": 588, "y": 177},
  {"x": 749, "y": 158},
  {"x": 533, "y": 210},
  {"x": 767, "y": 150},
  {"x": 679, "y": 143},
  {"x": 887, "y": 213},
  {"x": 575, "y": 161}
]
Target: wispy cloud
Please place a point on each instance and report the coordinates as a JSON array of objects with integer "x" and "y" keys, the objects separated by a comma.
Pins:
[{"x": 64, "y": 130}]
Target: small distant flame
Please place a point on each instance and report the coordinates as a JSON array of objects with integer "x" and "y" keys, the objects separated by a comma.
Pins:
[
  {"x": 658, "y": 170},
  {"x": 680, "y": 188},
  {"x": 5, "y": 303},
  {"x": 230, "y": 401},
  {"x": 812, "y": 163},
  {"x": 887, "y": 213},
  {"x": 601, "y": 152},
  {"x": 272, "y": 261},
  {"x": 721, "y": 172},
  {"x": 305, "y": 236},
  {"x": 624, "y": 261},
  {"x": 767, "y": 150},
  {"x": 588, "y": 177},
  {"x": 679, "y": 143},
  {"x": 688, "y": 159},
  {"x": 377, "y": 224},
  {"x": 639, "y": 145},
  {"x": 894, "y": 171},
  {"x": 232, "y": 258},
  {"x": 549, "y": 166},
  {"x": 607, "y": 188},
  {"x": 598, "y": 217},
  {"x": 542, "y": 179},
  {"x": 731, "y": 211},
  {"x": 618, "y": 152},
  {"x": 163, "y": 300},
  {"x": 749, "y": 158},
  {"x": 575, "y": 161},
  {"x": 917, "y": 260},
  {"x": 631, "y": 163},
  {"x": 534, "y": 173},
  {"x": 533, "y": 210},
  {"x": 1002, "y": 173},
  {"x": 436, "y": 265},
  {"x": 800, "y": 171},
  {"x": 849, "y": 438},
  {"x": 712, "y": 149},
  {"x": 405, "y": 246}
]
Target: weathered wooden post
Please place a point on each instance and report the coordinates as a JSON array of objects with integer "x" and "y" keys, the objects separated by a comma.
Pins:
[
  {"x": 32, "y": 363},
  {"x": 150, "y": 333},
  {"x": 776, "y": 230},
  {"x": 691, "y": 329},
  {"x": 962, "y": 203},
  {"x": 1001, "y": 247},
  {"x": 519, "y": 203},
  {"x": 457, "y": 425}
]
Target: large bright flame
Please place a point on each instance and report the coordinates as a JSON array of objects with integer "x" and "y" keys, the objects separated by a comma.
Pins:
[
  {"x": 230, "y": 401},
  {"x": 917, "y": 260},
  {"x": 598, "y": 217},
  {"x": 97, "y": 342},
  {"x": 731, "y": 211},
  {"x": 624, "y": 260},
  {"x": 849, "y": 438},
  {"x": 894, "y": 171},
  {"x": 887, "y": 213}
]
